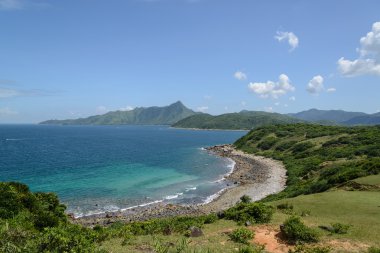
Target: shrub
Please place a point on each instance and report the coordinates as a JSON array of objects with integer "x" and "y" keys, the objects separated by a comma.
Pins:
[
  {"x": 267, "y": 143},
  {"x": 339, "y": 228},
  {"x": 246, "y": 199},
  {"x": 373, "y": 250},
  {"x": 241, "y": 235},
  {"x": 251, "y": 249},
  {"x": 302, "y": 146},
  {"x": 253, "y": 212},
  {"x": 295, "y": 231},
  {"x": 305, "y": 249}
]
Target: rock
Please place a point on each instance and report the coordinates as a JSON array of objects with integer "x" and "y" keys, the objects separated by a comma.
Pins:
[
  {"x": 167, "y": 231},
  {"x": 195, "y": 232},
  {"x": 220, "y": 214},
  {"x": 248, "y": 223}
]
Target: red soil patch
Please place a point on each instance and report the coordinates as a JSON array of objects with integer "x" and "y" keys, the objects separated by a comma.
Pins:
[{"x": 270, "y": 238}]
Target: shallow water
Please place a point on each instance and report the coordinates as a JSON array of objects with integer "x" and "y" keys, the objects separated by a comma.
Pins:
[{"x": 106, "y": 168}]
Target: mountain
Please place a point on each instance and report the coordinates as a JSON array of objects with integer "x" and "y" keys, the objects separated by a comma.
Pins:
[
  {"x": 166, "y": 115},
  {"x": 243, "y": 120},
  {"x": 326, "y": 116},
  {"x": 371, "y": 119}
]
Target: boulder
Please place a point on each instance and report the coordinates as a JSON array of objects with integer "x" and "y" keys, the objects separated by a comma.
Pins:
[{"x": 195, "y": 232}]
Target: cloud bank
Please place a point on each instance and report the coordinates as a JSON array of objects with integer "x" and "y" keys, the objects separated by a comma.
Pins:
[{"x": 368, "y": 62}]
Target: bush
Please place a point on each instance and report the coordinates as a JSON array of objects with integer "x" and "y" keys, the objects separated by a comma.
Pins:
[
  {"x": 295, "y": 231},
  {"x": 306, "y": 249},
  {"x": 253, "y": 212},
  {"x": 245, "y": 199},
  {"x": 241, "y": 235},
  {"x": 251, "y": 249},
  {"x": 373, "y": 250},
  {"x": 339, "y": 228},
  {"x": 267, "y": 143}
]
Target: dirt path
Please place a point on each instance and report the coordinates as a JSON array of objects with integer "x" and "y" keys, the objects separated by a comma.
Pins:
[{"x": 268, "y": 236}]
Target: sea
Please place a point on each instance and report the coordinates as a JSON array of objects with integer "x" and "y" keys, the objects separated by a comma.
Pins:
[{"x": 97, "y": 169}]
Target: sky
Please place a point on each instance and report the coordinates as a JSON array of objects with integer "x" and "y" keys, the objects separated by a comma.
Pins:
[{"x": 76, "y": 58}]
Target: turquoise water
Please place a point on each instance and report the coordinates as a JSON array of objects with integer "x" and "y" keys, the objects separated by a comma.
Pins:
[{"x": 107, "y": 168}]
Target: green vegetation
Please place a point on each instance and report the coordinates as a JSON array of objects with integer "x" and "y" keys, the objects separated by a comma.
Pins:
[
  {"x": 317, "y": 158},
  {"x": 245, "y": 120},
  {"x": 359, "y": 209},
  {"x": 296, "y": 231},
  {"x": 166, "y": 115},
  {"x": 333, "y": 184},
  {"x": 251, "y": 212},
  {"x": 241, "y": 235}
]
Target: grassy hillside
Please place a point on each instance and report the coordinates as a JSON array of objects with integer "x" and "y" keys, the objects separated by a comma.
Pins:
[
  {"x": 166, "y": 115},
  {"x": 317, "y": 157},
  {"x": 245, "y": 120},
  {"x": 332, "y": 116}
]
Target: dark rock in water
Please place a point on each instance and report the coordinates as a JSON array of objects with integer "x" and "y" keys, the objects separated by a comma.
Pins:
[
  {"x": 195, "y": 232},
  {"x": 248, "y": 223}
]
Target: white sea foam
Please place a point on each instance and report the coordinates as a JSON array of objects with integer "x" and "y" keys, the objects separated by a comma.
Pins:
[
  {"x": 213, "y": 197},
  {"x": 191, "y": 189},
  {"x": 173, "y": 196}
]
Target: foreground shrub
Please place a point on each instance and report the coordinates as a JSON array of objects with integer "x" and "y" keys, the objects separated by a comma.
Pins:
[
  {"x": 241, "y": 235},
  {"x": 295, "y": 231},
  {"x": 373, "y": 250},
  {"x": 70, "y": 238},
  {"x": 339, "y": 228},
  {"x": 251, "y": 249},
  {"x": 246, "y": 199},
  {"x": 308, "y": 249},
  {"x": 252, "y": 212}
]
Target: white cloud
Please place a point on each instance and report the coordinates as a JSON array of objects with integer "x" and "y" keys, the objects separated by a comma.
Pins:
[
  {"x": 272, "y": 89},
  {"x": 8, "y": 93},
  {"x": 292, "y": 98},
  {"x": 330, "y": 90},
  {"x": 101, "y": 109},
  {"x": 285, "y": 105},
  {"x": 277, "y": 103},
  {"x": 241, "y": 76},
  {"x": 7, "y": 111},
  {"x": 207, "y": 97},
  {"x": 11, "y": 4},
  {"x": 202, "y": 108},
  {"x": 127, "y": 108},
  {"x": 226, "y": 108},
  {"x": 358, "y": 67},
  {"x": 290, "y": 37},
  {"x": 268, "y": 109},
  {"x": 368, "y": 61},
  {"x": 315, "y": 85},
  {"x": 243, "y": 103}
]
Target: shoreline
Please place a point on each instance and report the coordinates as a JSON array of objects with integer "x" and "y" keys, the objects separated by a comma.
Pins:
[{"x": 251, "y": 175}]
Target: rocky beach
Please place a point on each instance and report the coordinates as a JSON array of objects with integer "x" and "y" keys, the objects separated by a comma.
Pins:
[{"x": 252, "y": 175}]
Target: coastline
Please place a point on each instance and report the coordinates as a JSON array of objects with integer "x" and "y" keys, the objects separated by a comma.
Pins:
[{"x": 251, "y": 175}]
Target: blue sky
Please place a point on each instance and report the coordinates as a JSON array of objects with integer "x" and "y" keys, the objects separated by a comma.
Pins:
[{"x": 75, "y": 58}]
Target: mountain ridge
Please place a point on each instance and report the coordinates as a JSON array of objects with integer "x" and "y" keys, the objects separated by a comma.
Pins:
[{"x": 155, "y": 115}]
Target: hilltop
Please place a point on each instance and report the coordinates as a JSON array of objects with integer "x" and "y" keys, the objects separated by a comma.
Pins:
[
  {"x": 155, "y": 115},
  {"x": 243, "y": 120}
]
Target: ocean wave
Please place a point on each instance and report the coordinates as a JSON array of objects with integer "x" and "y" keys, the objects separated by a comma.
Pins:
[
  {"x": 169, "y": 197},
  {"x": 213, "y": 196},
  {"x": 190, "y": 189}
]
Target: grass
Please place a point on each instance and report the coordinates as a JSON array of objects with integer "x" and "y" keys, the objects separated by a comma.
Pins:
[
  {"x": 369, "y": 180},
  {"x": 215, "y": 239},
  {"x": 358, "y": 208}
]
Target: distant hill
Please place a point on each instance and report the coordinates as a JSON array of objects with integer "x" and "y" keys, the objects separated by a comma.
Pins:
[
  {"x": 371, "y": 119},
  {"x": 242, "y": 120},
  {"x": 166, "y": 115},
  {"x": 326, "y": 116}
]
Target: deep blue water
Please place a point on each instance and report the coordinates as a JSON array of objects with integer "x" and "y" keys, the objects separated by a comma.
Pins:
[{"x": 105, "y": 168}]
